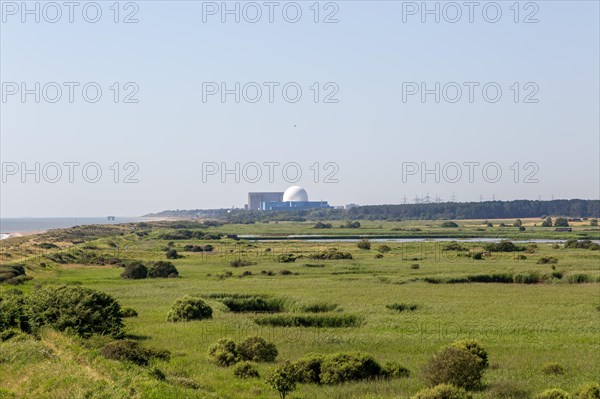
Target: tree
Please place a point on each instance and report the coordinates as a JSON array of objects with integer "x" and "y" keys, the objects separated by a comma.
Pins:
[
  {"x": 283, "y": 379},
  {"x": 547, "y": 222}
]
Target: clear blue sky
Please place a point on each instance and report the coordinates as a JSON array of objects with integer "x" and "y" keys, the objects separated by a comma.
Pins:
[{"x": 369, "y": 133}]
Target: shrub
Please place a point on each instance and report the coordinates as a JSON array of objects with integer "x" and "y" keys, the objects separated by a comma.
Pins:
[
  {"x": 507, "y": 390},
  {"x": 384, "y": 248},
  {"x": 224, "y": 353},
  {"x": 319, "y": 307},
  {"x": 257, "y": 349},
  {"x": 254, "y": 304},
  {"x": 282, "y": 379},
  {"x": 172, "y": 254},
  {"x": 442, "y": 391},
  {"x": 189, "y": 308},
  {"x": 553, "y": 368},
  {"x": 12, "y": 333},
  {"x": 584, "y": 244},
  {"x": 458, "y": 367},
  {"x": 350, "y": 225},
  {"x": 402, "y": 307},
  {"x": 378, "y": 256},
  {"x": 553, "y": 394},
  {"x": 502, "y": 246},
  {"x": 321, "y": 225},
  {"x": 449, "y": 224},
  {"x": 342, "y": 367},
  {"x": 454, "y": 246},
  {"x": 589, "y": 391},
  {"x": 240, "y": 263},
  {"x": 547, "y": 260},
  {"x": 475, "y": 348},
  {"x": 415, "y": 266},
  {"x": 245, "y": 370},
  {"x": 128, "y": 312},
  {"x": 307, "y": 369},
  {"x": 331, "y": 254},
  {"x": 78, "y": 310},
  {"x": 528, "y": 278},
  {"x": 12, "y": 274},
  {"x": 162, "y": 269},
  {"x": 285, "y": 258},
  {"x": 126, "y": 350},
  {"x": 477, "y": 256},
  {"x": 309, "y": 321},
  {"x": 394, "y": 370},
  {"x": 12, "y": 312},
  {"x": 561, "y": 222},
  {"x": 135, "y": 271},
  {"x": 579, "y": 278},
  {"x": 364, "y": 244}
]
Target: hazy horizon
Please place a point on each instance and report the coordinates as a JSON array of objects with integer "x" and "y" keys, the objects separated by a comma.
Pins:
[{"x": 367, "y": 128}]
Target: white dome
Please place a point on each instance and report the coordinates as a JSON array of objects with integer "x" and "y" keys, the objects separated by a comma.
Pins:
[{"x": 295, "y": 194}]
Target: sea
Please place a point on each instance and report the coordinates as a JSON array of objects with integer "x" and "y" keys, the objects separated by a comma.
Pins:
[{"x": 26, "y": 225}]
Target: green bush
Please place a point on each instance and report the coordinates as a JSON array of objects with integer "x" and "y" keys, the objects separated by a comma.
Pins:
[
  {"x": 126, "y": 350},
  {"x": 589, "y": 391},
  {"x": 402, "y": 307},
  {"x": 507, "y": 390},
  {"x": 454, "y": 246},
  {"x": 553, "y": 393},
  {"x": 307, "y": 369},
  {"x": 12, "y": 312},
  {"x": 285, "y": 258},
  {"x": 449, "y": 224},
  {"x": 553, "y": 368},
  {"x": 172, "y": 254},
  {"x": 442, "y": 391},
  {"x": 257, "y": 349},
  {"x": 331, "y": 254},
  {"x": 128, "y": 312},
  {"x": 254, "y": 304},
  {"x": 547, "y": 260},
  {"x": 240, "y": 263},
  {"x": 162, "y": 269},
  {"x": 579, "y": 278},
  {"x": 343, "y": 367},
  {"x": 477, "y": 256},
  {"x": 245, "y": 370},
  {"x": 319, "y": 307},
  {"x": 455, "y": 366},
  {"x": 394, "y": 370},
  {"x": 224, "y": 353},
  {"x": 13, "y": 274},
  {"x": 383, "y": 248},
  {"x": 78, "y": 310},
  {"x": 502, "y": 246},
  {"x": 135, "y": 271},
  {"x": 364, "y": 244},
  {"x": 283, "y": 379},
  {"x": 189, "y": 308},
  {"x": 475, "y": 348},
  {"x": 309, "y": 321},
  {"x": 528, "y": 278}
]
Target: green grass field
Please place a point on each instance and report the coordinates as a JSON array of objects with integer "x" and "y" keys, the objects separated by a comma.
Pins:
[{"x": 522, "y": 326}]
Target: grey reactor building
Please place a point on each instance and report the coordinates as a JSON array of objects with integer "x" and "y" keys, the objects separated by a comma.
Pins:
[{"x": 294, "y": 198}]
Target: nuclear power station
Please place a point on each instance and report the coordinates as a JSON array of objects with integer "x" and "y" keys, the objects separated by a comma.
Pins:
[{"x": 294, "y": 198}]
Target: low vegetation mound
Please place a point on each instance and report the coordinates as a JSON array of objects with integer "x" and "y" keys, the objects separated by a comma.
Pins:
[
  {"x": 331, "y": 254},
  {"x": 346, "y": 320},
  {"x": 502, "y": 246},
  {"x": 318, "y": 307},
  {"x": 442, "y": 391},
  {"x": 455, "y": 366},
  {"x": 189, "y": 308},
  {"x": 257, "y": 349},
  {"x": 254, "y": 304},
  {"x": 553, "y": 393},
  {"x": 135, "y": 271},
  {"x": 553, "y": 368},
  {"x": 402, "y": 307},
  {"x": 13, "y": 274},
  {"x": 162, "y": 269},
  {"x": 589, "y": 391},
  {"x": 583, "y": 244},
  {"x": 224, "y": 353},
  {"x": 73, "y": 309},
  {"x": 131, "y": 351},
  {"x": 246, "y": 369}
]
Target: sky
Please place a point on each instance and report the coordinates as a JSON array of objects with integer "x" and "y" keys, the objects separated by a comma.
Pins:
[{"x": 126, "y": 108}]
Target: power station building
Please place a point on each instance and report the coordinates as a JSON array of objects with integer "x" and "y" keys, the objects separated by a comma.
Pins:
[{"x": 294, "y": 198}]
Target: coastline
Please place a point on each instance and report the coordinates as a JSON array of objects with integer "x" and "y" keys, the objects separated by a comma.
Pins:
[{"x": 5, "y": 236}]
